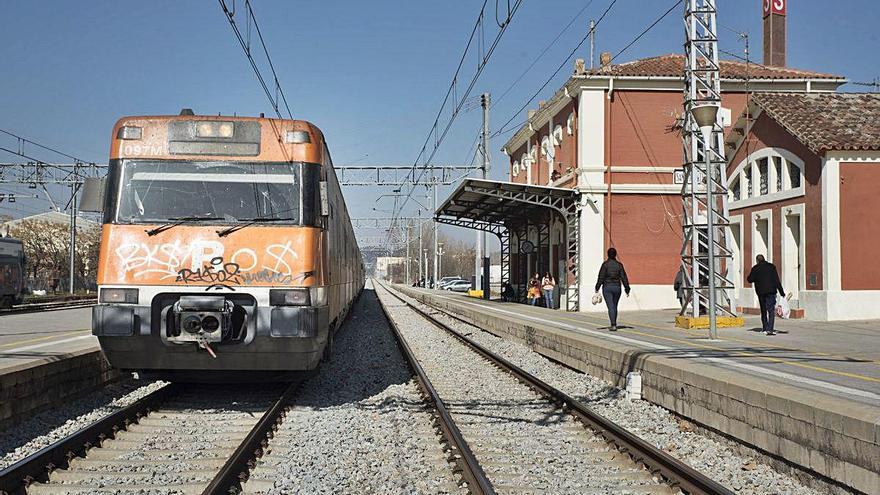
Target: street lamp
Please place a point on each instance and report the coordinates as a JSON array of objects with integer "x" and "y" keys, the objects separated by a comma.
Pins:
[
  {"x": 440, "y": 259},
  {"x": 706, "y": 116}
]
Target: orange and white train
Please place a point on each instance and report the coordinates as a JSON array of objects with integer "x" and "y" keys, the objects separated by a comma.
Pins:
[{"x": 226, "y": 247}]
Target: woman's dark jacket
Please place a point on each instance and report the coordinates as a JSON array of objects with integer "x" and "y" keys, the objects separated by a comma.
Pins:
[{"x": 612, "y": 273}]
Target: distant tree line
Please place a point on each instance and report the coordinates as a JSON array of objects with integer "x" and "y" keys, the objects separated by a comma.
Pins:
[{"x": 47, "y": 253}]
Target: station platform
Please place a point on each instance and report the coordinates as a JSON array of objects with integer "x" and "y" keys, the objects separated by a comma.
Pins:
[
  {"x": 808, "y": 396},
  {"x": 45, "y": 357}
]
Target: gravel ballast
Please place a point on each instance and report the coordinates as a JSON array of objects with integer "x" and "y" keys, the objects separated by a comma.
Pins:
[
  {"x": 177, "y": 448},
  {"x": 523, "y": 441},
  {"x": 359, "y": 426},
  {"x": 720, "y": 460},
  {"x": 49, "y": 426}
]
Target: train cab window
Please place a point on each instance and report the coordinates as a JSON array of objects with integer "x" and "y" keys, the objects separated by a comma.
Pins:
[{"x": 151, "y": 191}]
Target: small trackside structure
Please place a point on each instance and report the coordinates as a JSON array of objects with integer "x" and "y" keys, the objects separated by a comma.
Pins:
[{"x": 523, "y": 218}]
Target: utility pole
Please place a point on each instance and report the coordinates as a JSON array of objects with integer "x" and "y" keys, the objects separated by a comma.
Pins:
[
  {"x": 419, "y": 254},
  {"x": 706, "y": 252},
  {"x": 73, "y": 191},
  {"x": 436, "y": 236},
  {"x": 408, "y": 259},
  {"x": 592, "y": 34},
  {"x": 484, "y": 169}
]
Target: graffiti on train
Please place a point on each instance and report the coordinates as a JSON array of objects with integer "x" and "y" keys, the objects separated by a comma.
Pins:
[{"x": 200, "y": 262}]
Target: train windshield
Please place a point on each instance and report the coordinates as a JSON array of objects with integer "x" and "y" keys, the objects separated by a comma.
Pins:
[{"x": 161, "y": 191}]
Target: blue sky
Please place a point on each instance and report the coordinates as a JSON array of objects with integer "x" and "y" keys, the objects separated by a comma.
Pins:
[{"x": 370, "y": 74}]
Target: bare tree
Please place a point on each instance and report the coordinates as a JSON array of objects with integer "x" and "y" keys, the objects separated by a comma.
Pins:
[{"x": 46, "y": 248}]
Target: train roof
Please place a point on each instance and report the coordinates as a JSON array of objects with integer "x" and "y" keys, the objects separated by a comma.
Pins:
[{"x": 217, "y": 137}]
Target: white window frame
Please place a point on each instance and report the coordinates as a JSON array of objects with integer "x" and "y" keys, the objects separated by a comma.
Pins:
[
  {"x": 761, "y": 215},
  {"x": 734, "y": 180},
  {"x": 756, "y": 198}
]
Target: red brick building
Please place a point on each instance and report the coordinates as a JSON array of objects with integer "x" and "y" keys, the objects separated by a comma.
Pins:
[
  {"x": 613, "y": 134},
  {"x": 804, "y": 175}
]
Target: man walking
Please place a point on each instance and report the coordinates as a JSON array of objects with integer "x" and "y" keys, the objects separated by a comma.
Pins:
[{"x": 765, "y": 279}]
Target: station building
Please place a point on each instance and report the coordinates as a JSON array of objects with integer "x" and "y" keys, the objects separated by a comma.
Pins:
[
  {"x": 613, "y": 135},
  {"x": 803, "y": 175}
]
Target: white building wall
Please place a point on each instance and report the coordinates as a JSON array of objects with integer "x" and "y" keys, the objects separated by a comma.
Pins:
[{"x": 590, "y": 163}]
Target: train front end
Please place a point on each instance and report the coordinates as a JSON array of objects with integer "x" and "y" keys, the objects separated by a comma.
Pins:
[{"x": 212, "y": 247}]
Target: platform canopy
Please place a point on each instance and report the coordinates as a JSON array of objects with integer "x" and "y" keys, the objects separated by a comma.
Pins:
[
  {"x": 487, "y": 202},
  {"x": 505, "y": 207}
]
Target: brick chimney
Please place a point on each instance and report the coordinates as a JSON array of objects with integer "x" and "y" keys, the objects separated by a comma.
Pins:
[{"x": 774, "y": 32}]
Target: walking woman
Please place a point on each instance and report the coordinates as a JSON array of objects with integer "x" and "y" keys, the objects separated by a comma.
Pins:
[
  {"x": 548, "y": 285},
  {"x": 611, "y": 277}
]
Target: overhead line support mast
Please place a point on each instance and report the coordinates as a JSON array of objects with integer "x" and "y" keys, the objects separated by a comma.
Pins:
[{"x": 706, "y": 254}]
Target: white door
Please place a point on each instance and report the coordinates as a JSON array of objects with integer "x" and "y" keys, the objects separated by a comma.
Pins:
[
  {"x": 736, "y": 265},
  {"x": 792, "y": 264}
]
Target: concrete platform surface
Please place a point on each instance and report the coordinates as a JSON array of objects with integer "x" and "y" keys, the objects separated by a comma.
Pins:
[
  {"x": 45, "y": 358},
  {"x": 29, "y": 338},
  {"x": 809, "y": 395}
]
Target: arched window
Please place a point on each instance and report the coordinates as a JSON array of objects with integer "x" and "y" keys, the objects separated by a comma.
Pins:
[
  {"x": 569, "y": 124},
  {"x": 515, "y": 168},
  {"x": 766, "y": 175},
  {"x": 545, "y": 146},
  {"x": 557, "y": 135}
]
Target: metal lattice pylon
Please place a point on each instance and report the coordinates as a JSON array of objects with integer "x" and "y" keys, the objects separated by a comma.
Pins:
[{"x": 702, "y": 86}]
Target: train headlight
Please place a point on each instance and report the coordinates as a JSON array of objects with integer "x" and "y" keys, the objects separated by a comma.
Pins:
[
  {"x": 290, "y": 297},
  {"x": 297, "y": 137},
  {"x": 129, "y": 132},
  {"x": 214, "y": 129},
  {"x": 119, "y": 296}
]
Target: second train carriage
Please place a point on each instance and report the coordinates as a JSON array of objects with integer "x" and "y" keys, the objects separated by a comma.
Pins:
[
  {"x": 12, "y": 272},
  {"x": 226, "y": 246}
]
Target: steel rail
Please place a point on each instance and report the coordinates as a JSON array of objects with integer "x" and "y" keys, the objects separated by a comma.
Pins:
[
  {"x": 675, "y": 472},
  {"x": 478, "y": 482},
  {"x": 15, "y": 479},
  {"x": 49, "y": 306},
  {"x": 236, "y": 469}
]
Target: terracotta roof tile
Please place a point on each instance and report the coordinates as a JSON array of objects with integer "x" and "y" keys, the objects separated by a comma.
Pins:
[
  {"x": 672, "y": 65},
  {"x": 826, "y": 121}
]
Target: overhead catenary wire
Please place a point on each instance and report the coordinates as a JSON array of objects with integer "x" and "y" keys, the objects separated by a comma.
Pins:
[
  {"x": 544, "y": 51},
  {"x": 246, "y": 46},
  {"x": 505, "y": 129},
  {"x": 577, "y": 47},
  {"x": 452, "y": 92},
  {"x": 43, "y": 146},
  {"x": 645, "y": 31},
  {"x": 40, "y": 162}
]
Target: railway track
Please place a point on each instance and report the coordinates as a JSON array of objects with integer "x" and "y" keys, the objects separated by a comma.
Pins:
[
  {"x": 49, "y": 306},
  {"x": 179, "y": 439},
  {"x": 514, "y": 433}
]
